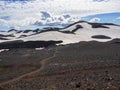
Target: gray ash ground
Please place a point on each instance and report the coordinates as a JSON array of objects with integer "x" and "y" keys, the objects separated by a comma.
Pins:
[{"x": 81, "y": 66}]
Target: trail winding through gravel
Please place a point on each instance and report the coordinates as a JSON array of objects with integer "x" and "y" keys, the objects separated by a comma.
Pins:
[{"x": 31, "y": 74}]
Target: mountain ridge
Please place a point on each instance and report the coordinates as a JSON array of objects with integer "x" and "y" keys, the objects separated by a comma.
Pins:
[{"x": 76, "y": 32}]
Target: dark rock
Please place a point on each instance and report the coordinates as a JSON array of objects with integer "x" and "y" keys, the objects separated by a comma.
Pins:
[
  {"x": 67, "y": 32},
  {"x": 19, "y": 31},
  {"x": 77, "y": 27},
  {"x": 78, "y": 85},
  {"x": 101, "y": 37},
  {"x": 28, "y": 44},
  {"x": 115, "y": 41},
  {"x": 11, "y": 35},
  {"x": 46, "y": 30},
  {"x": 36, "y": 30},
  {"x": 73, "y": 31},
  {"x": 22, "y": 36},
  {"x": 1, "y": 38},
  {"x": 26, "y": 31},
  {"x": 12, "y": 30},
  {"x": 1, "y": 35},
  {"x": 74, "y": 24},
  {"x": 98, "y": 25},
  {"x": 2, "y": 88}
]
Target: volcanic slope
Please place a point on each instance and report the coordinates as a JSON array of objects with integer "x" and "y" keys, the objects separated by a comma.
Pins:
[{"x": 81, "y": 66}]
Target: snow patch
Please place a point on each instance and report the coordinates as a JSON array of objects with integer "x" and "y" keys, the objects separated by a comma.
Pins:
[
  {"x": 39, "y": 48},
  {"x": 81, "y": 34},
  {"x": 2, "y": 50}
]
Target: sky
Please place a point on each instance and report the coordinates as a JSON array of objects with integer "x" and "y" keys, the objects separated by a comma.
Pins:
[{"x": 23, "y": 13}]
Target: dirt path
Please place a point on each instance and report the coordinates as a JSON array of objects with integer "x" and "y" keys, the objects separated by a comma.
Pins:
[{"x": 31, "y": 74}]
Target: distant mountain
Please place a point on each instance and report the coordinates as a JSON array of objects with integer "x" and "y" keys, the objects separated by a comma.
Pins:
[{"x": 76, "y": 32}]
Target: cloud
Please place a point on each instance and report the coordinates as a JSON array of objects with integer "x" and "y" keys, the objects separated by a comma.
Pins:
[
  {"x": 95, "y": 20},
  {"x": 26, "y": 13},
  {"x": 118, "y": 18},
  {"x": 3, "y": 22},
  {"x": 101, "y": 0}
]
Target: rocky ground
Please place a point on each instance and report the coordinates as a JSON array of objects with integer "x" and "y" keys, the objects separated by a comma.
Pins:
[{"x": 81, "y": 66}]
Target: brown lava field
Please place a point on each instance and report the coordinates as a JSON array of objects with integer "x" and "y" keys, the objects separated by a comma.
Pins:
[{"x": 81, "y": 66}]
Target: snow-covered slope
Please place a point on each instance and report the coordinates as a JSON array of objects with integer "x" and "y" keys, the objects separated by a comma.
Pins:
[{"x": 79, "y": 31}]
